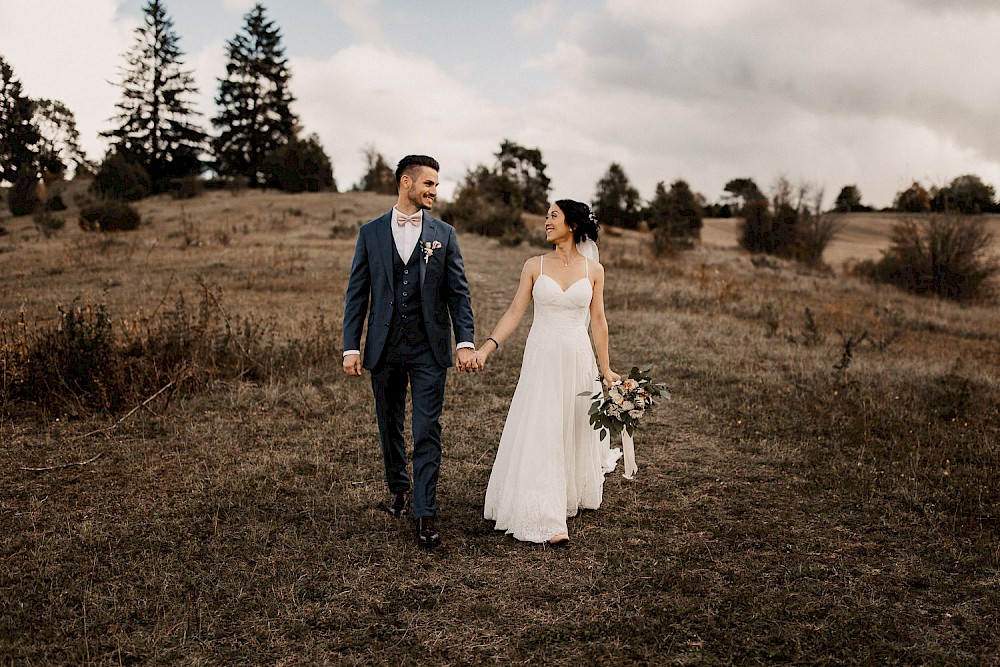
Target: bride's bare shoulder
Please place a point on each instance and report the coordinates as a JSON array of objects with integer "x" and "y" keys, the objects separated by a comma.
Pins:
[
  {"x": 596, "y": 266},
  {"x": 533, "y": 265}
]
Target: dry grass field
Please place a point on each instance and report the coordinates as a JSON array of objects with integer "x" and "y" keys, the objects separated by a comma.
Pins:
[{"x": 822, "y": 488}]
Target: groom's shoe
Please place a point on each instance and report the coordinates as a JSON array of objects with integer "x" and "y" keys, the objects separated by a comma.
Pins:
[
  {"x": 427, "y": 534},
  {"x": 400, "y": 504}
]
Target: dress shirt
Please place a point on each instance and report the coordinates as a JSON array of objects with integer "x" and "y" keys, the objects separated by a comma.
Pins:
[{"x": 406, "y": 236}]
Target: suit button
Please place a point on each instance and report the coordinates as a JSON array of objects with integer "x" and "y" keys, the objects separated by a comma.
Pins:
[
  {"x": 404, "y": 294},
  {"x": 406, "y": 282},
  {"x": 406, "y": 271}
]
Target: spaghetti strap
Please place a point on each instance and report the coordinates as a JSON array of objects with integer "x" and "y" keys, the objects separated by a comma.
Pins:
[
  {"x": 588, "y": 266},
  {"x": 541, "y": 265}
]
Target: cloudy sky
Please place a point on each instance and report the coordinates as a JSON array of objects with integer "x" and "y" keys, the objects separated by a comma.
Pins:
[{"x": 876, "y": 93}]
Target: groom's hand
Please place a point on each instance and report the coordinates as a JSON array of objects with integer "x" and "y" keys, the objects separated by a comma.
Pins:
[
  {"x": 352, "y": 364},
  {"x": 467, "y": 360}
]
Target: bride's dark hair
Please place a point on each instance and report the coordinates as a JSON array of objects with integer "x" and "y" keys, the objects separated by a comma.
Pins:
[{"x": 580, "y": 219}]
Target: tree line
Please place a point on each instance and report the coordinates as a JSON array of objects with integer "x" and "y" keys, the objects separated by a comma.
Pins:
[
  {"x": 157, "y": 143},
  {"x": 157, "y": 137}
]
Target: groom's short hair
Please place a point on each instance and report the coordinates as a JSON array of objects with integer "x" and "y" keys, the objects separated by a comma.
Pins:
[{"x": 410, "y": 163}]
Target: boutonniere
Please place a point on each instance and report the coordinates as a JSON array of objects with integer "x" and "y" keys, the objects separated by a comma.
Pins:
[{"x": 429, "y": 249}]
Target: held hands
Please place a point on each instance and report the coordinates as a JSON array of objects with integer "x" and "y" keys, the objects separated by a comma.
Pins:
[{"x": 469, "y": 360}]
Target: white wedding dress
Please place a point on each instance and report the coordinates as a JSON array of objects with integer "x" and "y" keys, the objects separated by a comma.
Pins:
[{"x": 550, "y": 462}]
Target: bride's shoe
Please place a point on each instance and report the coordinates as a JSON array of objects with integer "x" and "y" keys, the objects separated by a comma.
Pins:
[{"x": 562, "y": 539}]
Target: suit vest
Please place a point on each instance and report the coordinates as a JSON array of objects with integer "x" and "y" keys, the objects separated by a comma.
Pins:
[{"x": 407, "y": 333}]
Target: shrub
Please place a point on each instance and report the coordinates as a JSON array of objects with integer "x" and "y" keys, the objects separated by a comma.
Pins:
[
  {"x": 187, "y": 187},
  {"x": 490, "y": 204},
  {"x": 300, "y": 166},
  {"x": 47, "y": 223},
  {"x": 473, "y": 212},
  {"x": 108, "y": 216},
  {"x": 914, "y": 199},
  {"x": 944, "y": 255},
  {"x": 675, "y": 217},
  {"x": 755, "y": 232},
  {"x": 83, "y": 364},
  {"x": 55, "y": 203},
  {"x": 22, "y": 199},
  {"x": 121, "y": 179}
]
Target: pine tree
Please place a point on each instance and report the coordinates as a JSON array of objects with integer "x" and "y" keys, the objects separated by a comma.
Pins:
[
  {"x": 254, "y": 100},
  {"x": 156, "y": 121},
  {"x": 18, "y": 134},
  {"x": 525, "y": 167},
  {"x": 616, "y": 202}
]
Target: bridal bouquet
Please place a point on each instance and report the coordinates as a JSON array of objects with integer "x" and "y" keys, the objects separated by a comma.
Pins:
[{"x": 617, "y": 410}]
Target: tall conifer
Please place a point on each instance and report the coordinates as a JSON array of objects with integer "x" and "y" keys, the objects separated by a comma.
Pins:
[
  {"x": 18, "y": 134},
  {"x": 156, "y": 123},
  {"x": 254, "y": 100}
]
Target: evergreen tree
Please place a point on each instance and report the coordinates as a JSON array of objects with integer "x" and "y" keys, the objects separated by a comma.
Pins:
[
  {"x": 524, "y": 167},
  {"x": 254, "y": 100},
  {"x": 156, "y": 123},
  {"x": 18, "y": 134},
  {"x": 301, "y": 165},
  {"x": 849, "y": 200},
  {"x": 675, "y": 217},
  {"x": 617, "y": 203}
]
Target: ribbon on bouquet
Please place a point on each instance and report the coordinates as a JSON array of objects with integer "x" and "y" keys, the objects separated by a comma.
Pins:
[{"x": 628, "y": 452}]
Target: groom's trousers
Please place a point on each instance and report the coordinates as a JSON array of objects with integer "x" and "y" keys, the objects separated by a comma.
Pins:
[{"x": 426, "y": 380}]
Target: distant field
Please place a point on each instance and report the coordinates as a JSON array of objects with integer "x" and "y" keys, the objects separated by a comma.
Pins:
[{"x": 865, "y": 235}]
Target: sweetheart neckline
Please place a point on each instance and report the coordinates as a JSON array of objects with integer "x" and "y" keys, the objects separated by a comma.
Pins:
[{"x": 556, "y": 283}]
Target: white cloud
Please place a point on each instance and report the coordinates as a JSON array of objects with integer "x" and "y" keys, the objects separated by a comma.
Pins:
[
  {"x": 241, "y": 6},
  {"x": 357, "y": 98},
  {"x": 362, "y": 17},
  {"x": 534, "y": 20},
  {"x": 847, "y": 92},
  {"x": 78, "y": 61}
]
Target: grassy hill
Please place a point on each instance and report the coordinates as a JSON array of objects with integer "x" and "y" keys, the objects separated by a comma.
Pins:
[{"x": 823, "y": 486}]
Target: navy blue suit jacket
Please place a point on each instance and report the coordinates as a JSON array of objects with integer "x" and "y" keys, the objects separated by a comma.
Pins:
[{"x": 445, "y": 299}]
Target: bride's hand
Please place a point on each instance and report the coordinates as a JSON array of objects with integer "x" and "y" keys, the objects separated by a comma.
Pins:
[{"x": 610, "y": 377}]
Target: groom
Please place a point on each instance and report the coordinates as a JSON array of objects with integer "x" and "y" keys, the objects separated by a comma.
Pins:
[{"x": 408, "y": 279}]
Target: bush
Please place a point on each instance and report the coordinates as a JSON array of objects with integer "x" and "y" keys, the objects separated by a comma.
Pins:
[
  {"x": 472, "y": 212},
  {"x": 81, "y": 363},
  {"x": 47, "y": 223},
  {"x": 945, "y": 255},
  {"x": 755, "y": 232},
  {"x": 121, "y": 179},
  {"x": 299, "y": 166},
  {"x": 55, "y": 203},
  {"x": 109, "y": 216},
  {"x": 187, "y": 187},
  {"x": 22, "y": 199}
]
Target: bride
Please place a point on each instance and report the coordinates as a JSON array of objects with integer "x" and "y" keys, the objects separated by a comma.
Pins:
[{"x": 550, "y": 462}]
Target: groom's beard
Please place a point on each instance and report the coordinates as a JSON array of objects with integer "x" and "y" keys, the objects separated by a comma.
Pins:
[{"x": 414, "y": 198}]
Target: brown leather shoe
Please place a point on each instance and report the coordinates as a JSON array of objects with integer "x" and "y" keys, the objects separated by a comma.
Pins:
[
  {"x": 400, "y": 504},
  {"x": 427, "y": 534}
]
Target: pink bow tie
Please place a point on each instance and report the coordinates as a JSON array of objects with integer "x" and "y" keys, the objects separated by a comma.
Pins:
[{"x": 414, "y": 220}]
